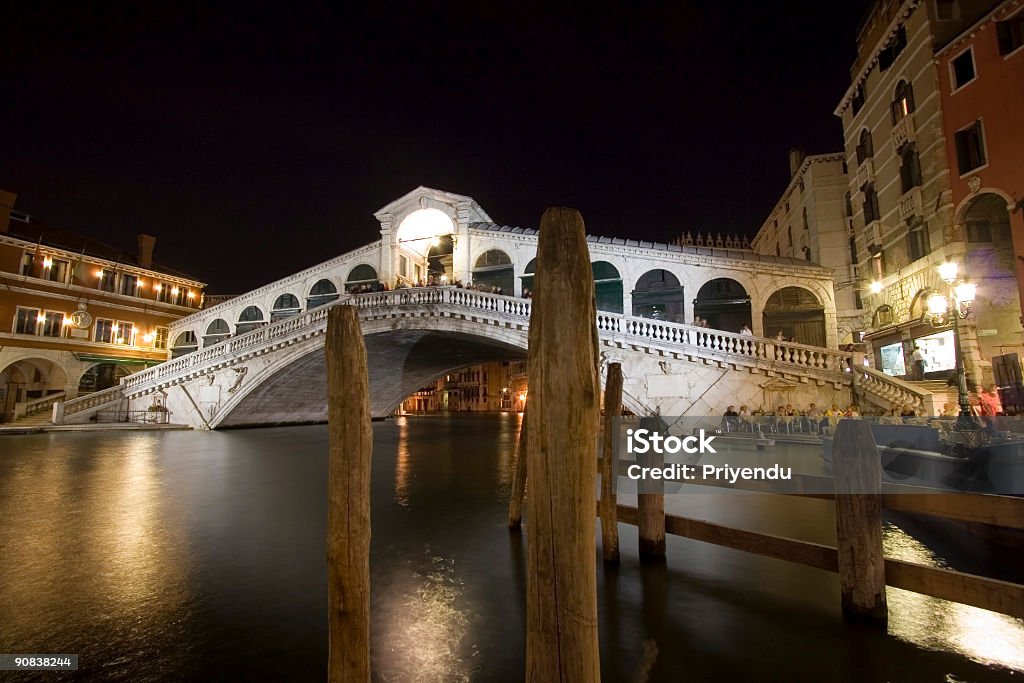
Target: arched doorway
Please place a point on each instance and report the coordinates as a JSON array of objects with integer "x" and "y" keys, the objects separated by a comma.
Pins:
[
  {"x": 724, "y": 303},
  {"x": 493, "y": 271},
  {"x": 27, "y": 379},
  {"x": 659, "y": 295},
  {"x": 607, "y": 287},
  {"x": 101, "y": 376},
  {"x": 441, "y": 260},
  {"x": 425, "y": 247},
  {"x": 798, "y": 314}
]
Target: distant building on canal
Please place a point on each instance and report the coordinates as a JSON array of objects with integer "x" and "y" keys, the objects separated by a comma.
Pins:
[{"x": 498, "y": 386}]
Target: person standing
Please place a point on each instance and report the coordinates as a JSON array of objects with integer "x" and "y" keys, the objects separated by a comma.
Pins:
[{"x": 917, "y": 359}]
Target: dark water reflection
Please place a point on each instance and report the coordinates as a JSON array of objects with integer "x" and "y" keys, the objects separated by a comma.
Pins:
[{"x": 200, "y": 556}]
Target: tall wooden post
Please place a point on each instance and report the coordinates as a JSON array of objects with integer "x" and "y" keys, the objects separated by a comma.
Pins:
[
  {"x": 609, "y": 515},
  {"x": 651, "y": 506},
  {"x": 515, "y": 501},
  {"x": 348, "y": 498},
  {"x": 561, "y": 603},
  {"x": 858, "y": 482}
]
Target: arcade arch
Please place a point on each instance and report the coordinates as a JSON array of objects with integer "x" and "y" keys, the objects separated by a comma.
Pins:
[
  {"x": 493, "y": 271},
  {"x": 725, "y": 304},
  {"x": 659, "y": 295},
  {"x": 796, "y": 313}
]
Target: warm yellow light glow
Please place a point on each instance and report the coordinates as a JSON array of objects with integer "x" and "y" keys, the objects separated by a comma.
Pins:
[
  {"x": 424, "y": 224},
  {"x": 965, "y": 292},
  {"x": 99, "y": 272},
  {"x": 947, "y": 271},
  {"x": 875, "y": 287},
  {"x": 937, "y": 304},
  {"x": 522, "y": 397},
  {"x": 66, "y": 321},
  {"x": 148, "y": 337},
  {"x": 157, "y": 287},
  {"x": 47, "y": 262},
  {"x": 41, "y": 317},
  {"x": 113, "y": 328},
  {"x": 191, "y": 294},
  {"x": 444, "y": 278},
  {"x": 139, "y": 283},
  {"x": 174, "y": 291}
]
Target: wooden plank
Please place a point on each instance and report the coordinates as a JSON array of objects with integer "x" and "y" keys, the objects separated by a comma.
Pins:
[
  {"x": 612, "y": 410},
  {"x": 515, "y": 501},
  {"x": 858, "y": 486},
  {"x": 350, "y": 438},
  {"x": 968, "y": 589},
  {"x": 561, "y": 583},
  {"x": 980, "y": 508}
]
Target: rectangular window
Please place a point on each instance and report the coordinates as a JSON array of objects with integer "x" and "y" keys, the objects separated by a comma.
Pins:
[
  {"x": 180, "y": 296},
  {"x": 104, "y": 330},
  {"x": 27, "y": 321},
  {"x": 124, "y": 333},
  {"x": 970, "y": 148},
  {"x": 917, "y": 243},
  {"x": 871, "y": 212},
  {"x": 129, "y": 285},
  {"x": 53, "y": 324},
  {"x": 26, "y": 263},
  {"x": 403, "y": 266},
  {"x": 859, "y": 98},
  {"x": 58, "y": 271},
  {"x": 160, "y": 338},
  {"x": 108, "y": 280},
  {"x": 163, "y": 292},
  {"x": 962, "y": 68},
  {"x": 1010, "y": 33}
]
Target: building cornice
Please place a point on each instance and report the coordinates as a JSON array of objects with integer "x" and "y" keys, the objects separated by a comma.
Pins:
[
  {"x": 967, "y": 34},
  {"x": 88, "y": 297},
  {"x": 794, "y": 181},
  {"x": 869, "y": 64}
]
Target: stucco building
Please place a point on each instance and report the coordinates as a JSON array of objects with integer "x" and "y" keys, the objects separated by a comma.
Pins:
[{"x": 77, "y": 315}]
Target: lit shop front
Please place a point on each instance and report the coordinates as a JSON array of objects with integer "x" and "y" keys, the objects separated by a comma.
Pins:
[{"x": 893, "y": 355}]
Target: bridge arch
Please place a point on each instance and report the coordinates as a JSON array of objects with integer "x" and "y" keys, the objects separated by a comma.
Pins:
[
  {"x": 526, "y": 279},
  {"x": 217, "y": 331},
  {"x": 725, "y": 303},
  {"x": 322, "y": 292},
  {"x": 285, "y": 306},
  {"x": 30, "y": 377},
  {"x": 658, "y": 294},
  {"x": 798, "y": 313},
  {"x": 493, "y": 270},
  {"x": 607, "y": 286},
  {"x": 249, "y": 319},
  {"x": 184, "y": 342},
  {"x": 362, "y": 275}
]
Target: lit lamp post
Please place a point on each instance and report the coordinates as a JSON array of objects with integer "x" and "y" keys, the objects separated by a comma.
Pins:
[{"x": 949, "y": 309}]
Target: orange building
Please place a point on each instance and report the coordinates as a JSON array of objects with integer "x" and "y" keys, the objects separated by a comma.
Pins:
[
  {"x": 77, "y": 315},
  {"x": 981, "y": 85}
]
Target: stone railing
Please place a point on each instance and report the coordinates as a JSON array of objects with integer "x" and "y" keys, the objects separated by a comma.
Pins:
[
  {"x": 641, "y": 332},
  {"x": 892, "y": 390},
  {"x": 37, "y": 405},
  {"x": 903, "y": 132},
  {"x": 96, "y": 398}
]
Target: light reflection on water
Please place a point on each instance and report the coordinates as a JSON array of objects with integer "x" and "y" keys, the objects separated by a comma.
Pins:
[{"x": 177, "y": 556}]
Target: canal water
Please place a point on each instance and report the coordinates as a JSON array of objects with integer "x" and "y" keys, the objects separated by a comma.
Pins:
[{"x": 177, "y": 556}]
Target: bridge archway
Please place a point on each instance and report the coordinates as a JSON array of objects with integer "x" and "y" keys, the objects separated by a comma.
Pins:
[
  {"x": 659, "y": 295},
  {"x": 185, "y": 342},
  {"x": 607, "y": 287},
  {"x": 797, "y": 313},
  {"x": 526, "y": 279},
  {"x": 493, "y": 271},
  {"x": 362, "y": 277},
  {"x": 249, "y": 319},
  {"x": 28, "y": 378},
  {"x": 101, "y": 376},
  {"x": 216, "y": 332},
  {"x": 724, "y": 303},
  {"x": 285, "y": 306},
  {"x": 322, "y": 292}
]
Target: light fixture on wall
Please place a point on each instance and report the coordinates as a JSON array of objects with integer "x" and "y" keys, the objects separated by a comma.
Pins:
[
  {"x": 946, "y": 309},
  {"x": 875, "y": 287},
  {"x": 47, "y": 262}
]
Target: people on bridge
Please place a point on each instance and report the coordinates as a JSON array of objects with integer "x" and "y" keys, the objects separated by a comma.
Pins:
[
  {"x": 780, "y": 336},
  {"x": 745, "y": 330}
]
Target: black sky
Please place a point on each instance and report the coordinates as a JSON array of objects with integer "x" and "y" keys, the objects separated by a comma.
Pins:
[{"x": 255, "y": 139}]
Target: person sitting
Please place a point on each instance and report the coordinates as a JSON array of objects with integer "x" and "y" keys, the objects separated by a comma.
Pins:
[{"x": 731, "y": 419}]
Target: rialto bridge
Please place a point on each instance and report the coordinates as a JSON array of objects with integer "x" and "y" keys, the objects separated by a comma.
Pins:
[{"x": 258, "y": 358}]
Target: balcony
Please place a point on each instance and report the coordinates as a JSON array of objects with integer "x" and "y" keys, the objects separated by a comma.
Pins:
[
  {"x": 873, "y": 232},
  {"x": 866, "y": 172},
  {"x": 910, "y": 204},
  {"x": 903, "y": 132}
]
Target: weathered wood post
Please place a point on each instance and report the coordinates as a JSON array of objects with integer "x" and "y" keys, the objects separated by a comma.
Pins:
[
  {"x": 858, "y": 482},
  {"x": 609, "y": 514},
  {"x": 651, "y": 506},
  {"x": 561, "y": 603},
  {"x": 515, "y": 501},
  {"x": 348, "y": 498}
]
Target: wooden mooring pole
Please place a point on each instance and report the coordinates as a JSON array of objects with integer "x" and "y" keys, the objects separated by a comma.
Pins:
[
  {"x": 651, "y": 506},
  {"x": 609, "y": 501},
  {"x": 515, "y": 501},
  {"x": 348, "y": 498},
  {"x": 561, "y": 603},
  {"x": 858, "y": 482}
]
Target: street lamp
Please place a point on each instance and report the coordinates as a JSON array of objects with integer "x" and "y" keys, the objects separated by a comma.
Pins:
[{"x": 949, "y": 309}]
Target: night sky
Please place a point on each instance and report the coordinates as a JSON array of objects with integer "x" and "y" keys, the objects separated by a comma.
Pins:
[{"x": 255, "y": 139}]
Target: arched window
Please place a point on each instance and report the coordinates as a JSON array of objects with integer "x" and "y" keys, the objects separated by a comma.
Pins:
[
  {"x": 910, "y": 168},
  {"x": 865, "y": 148},
  {"x": 882, "y": 317},
  {"x": 527, "y": 277},
  {"x": 285, "y": 306},
  {"x": 362, "y": 277},
  {"x": 659, "y": 295},
  {"x": 724, "y": 304},
  {"x": 871, "y": 212},
  {"x": 902, "y": 102},
  {"x": 797, "y": 313},
  {"x": 217, "y": 331},
  {"x": 322, "y": 292},
  {"x": 250, "y": 318}
]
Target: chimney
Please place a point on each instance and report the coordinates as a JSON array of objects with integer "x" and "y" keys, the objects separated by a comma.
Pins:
[
  {"x": 6, "y": 204},
  {"x": 146, "y": 244},
  {"x": 796, "y": 159}
]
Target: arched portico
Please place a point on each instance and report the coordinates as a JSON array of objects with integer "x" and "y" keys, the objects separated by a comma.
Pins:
[
  {"x": 724, "y": 303},
  {"x": 798, "y": 314}
]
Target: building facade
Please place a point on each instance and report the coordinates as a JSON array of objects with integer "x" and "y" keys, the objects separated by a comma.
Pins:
[
  {"x": 981, "y": 82},
  {"x": 813, "y": 221},
  {"x": 488, "y": 387},
  {"x": 901, "y": 186},
  {"x": 78, "y": 315}
]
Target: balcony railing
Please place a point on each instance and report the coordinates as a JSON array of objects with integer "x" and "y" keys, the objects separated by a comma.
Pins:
[
  {"x": 910, "y": 203},
  {"x": 866, "y": 172},
  {"x": 903, "y": 132}
]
